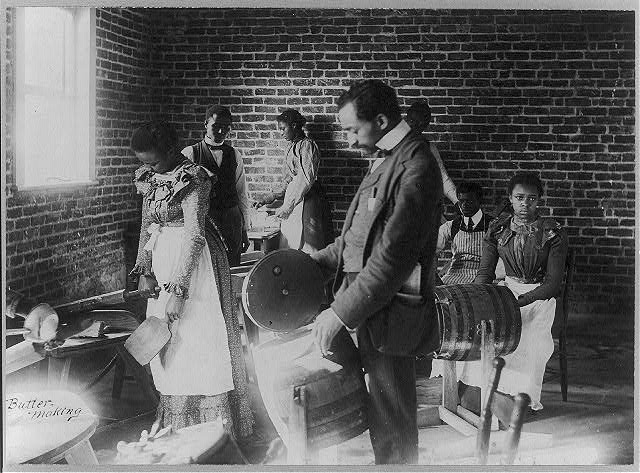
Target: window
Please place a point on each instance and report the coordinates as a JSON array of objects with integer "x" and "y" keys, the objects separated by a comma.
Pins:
[{"x": 55, "y": 96}]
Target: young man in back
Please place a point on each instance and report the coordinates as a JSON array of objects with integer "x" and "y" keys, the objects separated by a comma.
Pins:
[{"x": 229, "y": 205}]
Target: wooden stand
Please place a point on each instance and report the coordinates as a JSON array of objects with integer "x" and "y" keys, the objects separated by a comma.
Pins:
[
  {"x": 468, "y": 423},
  {"x": 265, "y": 240},
  {"x": 451, "y": 412}
]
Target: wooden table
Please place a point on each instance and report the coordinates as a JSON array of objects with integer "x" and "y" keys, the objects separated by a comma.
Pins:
[
  {"x": 265, "y": 239},
  {"x": 59, "y": 361},
  {"x": 46, "y": 426}
]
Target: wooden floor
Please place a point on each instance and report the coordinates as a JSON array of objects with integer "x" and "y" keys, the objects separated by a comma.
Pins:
[{"x": 594, "y": 427}]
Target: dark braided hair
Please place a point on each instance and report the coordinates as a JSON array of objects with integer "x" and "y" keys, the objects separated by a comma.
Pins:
[{"x": 157, "y": 136}]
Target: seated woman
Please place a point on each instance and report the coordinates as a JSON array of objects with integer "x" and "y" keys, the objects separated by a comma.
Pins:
[
  {"x": 200, "y": 373},
  {"x": 306, "y": 221},
  {"x": 534, "y": 250}
]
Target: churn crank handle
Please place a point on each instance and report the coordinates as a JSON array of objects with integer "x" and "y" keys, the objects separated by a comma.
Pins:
[
  {"x": 482, "y": 441},
  {"x": 521, "y": 402}
]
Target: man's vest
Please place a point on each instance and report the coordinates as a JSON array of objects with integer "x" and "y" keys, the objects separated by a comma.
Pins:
[{"x": 223, "y": 191}]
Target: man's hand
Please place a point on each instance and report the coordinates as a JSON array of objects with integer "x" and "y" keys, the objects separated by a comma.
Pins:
[
  {"x": 174, "y": 307},
  {"x": 325, "y": 328},
  {"x": 245, "y": 241}
]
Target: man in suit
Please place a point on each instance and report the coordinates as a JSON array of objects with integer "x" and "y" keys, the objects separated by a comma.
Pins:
[
  {"x": 229, "y": 204},
  {"x": 384, "y": 265}
]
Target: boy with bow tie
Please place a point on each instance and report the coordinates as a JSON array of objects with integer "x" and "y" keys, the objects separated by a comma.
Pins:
[
  {"x": 465, "y": 232},
  {"x": 229, "y": 204}
]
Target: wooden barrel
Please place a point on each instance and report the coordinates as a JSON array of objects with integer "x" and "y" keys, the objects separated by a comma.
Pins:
[
  {"x": 461, "y": 308},
  {"x": 335, "y": 391}
]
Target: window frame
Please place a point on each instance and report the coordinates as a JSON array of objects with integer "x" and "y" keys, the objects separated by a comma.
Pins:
[{"x": 84, "y": 93}]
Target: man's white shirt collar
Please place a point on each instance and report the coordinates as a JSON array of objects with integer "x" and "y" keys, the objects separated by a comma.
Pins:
[
  {"x": 475, "y": 218},
  {"x": 391, "y": 140}
]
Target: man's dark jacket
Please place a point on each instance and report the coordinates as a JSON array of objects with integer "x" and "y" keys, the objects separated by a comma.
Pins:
[{"x": 401, "y": 232}]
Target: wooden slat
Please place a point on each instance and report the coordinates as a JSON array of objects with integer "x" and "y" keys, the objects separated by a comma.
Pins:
[
  {"x": 456, "y": 422},
  {"x": 20, "y": 356},
  {"x": 428, "y": 416}
]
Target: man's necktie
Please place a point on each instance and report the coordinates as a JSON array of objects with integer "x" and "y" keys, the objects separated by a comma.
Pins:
[{"x": 470, "y": 225}]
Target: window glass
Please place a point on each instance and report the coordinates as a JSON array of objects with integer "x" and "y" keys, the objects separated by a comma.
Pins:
[{"x": 55, "y": 96}]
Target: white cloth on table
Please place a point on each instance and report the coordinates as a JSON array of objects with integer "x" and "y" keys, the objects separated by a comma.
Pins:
[
  {"x": 524, "y": 368},
  {"x": 196, "y": 360}
]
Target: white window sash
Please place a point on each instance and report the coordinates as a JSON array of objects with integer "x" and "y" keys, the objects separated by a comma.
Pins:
[{"x": 75, "y": 149}]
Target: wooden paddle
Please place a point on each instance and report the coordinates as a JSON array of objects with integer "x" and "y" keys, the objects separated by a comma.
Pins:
[{"x": 148, "y": 339}]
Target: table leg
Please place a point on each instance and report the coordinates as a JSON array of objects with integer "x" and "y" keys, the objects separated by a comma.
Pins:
[
  {"x": 81, "y": 454},
  {"x": 140, "y": 374},
  {"x": 58, "y": 371},
  {"x": 118, "y": 378},
  {"x": 297, "y": 448},
  {"x": 449, "y": 385}
]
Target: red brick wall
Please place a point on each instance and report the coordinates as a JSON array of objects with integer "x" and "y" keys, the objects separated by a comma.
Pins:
[
  {"x": 509, "y": 90},
  {"x": 65, "y": 244}
]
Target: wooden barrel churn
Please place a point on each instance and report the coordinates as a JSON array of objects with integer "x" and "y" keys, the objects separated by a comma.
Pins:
[
  {"x": 461, "y": 308},
  {"x": 283, "y": 293}
]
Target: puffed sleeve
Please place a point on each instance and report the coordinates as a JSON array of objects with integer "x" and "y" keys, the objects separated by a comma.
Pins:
[
  {"x": 307, "y": 161},
  {"x": 143, "y": 258},
  {"x": 489, "y": 259},
  {"x": 195, "y": 205}
]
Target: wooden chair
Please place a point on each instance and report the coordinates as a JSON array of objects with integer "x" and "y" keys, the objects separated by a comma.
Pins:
[
  {"x": 560, "y": 323},
  {"x": 521, "y": 401}
]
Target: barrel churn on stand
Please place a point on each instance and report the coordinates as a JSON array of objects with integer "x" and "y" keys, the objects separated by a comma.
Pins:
[
  {"x": 476, "y": 322},
  {"x": 313, "y": 402}
]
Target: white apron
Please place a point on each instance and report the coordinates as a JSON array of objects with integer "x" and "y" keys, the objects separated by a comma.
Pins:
[
  {"x": 524, "y": 368},
  {"x": 196, "y": 360},
  {"x": 291, "y": 228}
]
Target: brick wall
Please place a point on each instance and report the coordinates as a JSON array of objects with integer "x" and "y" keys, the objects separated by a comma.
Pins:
[
  {"x": 64, "y": 244},
  {"x": 509, "y": 90}
]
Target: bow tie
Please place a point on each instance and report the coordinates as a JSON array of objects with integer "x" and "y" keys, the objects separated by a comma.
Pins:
[
  {"x": 524, "y": 229},
  {"x": 470, "y": 225}
]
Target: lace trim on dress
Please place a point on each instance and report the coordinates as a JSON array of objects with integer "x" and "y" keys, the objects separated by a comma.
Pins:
[{"x": 180, "y": 291}]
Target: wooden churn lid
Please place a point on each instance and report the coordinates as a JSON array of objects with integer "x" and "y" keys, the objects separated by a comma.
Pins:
[{"x": 283, "y": 291}]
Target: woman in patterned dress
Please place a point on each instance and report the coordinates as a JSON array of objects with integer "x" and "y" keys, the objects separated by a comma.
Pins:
[
  {"x": 200, "y": 373},
  {"x": 306, "y": 220}
]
